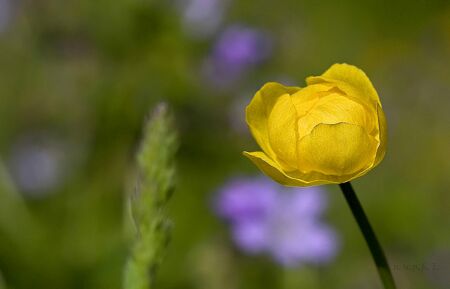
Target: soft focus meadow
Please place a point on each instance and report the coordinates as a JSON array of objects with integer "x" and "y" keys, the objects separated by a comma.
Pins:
[{"x": 78, "y": 78}]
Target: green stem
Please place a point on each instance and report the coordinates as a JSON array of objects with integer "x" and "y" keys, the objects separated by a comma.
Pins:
[{"x": 375, "y": 249}]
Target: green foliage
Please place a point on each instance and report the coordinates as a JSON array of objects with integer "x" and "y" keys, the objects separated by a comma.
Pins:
[
  {"x": 154, "y": 187},
  {"x": 17, "y": 222},
  {"x": 2, "y": 284},
  {"x": 85, "y": 73}
]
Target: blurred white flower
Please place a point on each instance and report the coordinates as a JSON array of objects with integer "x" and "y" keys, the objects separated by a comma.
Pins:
[{"x": 201, "y": 18}]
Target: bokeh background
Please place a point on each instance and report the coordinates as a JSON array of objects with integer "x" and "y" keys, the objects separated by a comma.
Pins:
[{"x": 77, "y": 79}]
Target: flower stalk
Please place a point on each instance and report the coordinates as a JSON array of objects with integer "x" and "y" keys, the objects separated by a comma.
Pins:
[
  {"x": 155, "y": 162},
  {"x": 369, "y": 235}
]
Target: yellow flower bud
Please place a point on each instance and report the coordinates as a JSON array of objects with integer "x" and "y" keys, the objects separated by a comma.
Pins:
[{"x": 332, "y": 131}]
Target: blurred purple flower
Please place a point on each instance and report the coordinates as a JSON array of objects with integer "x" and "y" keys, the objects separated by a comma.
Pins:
[
  {"x": 5, "y": 14},
  {"x": 237, "y": 49},
  {"x": 283, "y": 222},
  {"x": 37, "y": 163}
]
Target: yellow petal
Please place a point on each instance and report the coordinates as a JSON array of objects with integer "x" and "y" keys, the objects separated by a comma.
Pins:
[
  {"x": 297, "y": 178},
  {"x": 305, "y": 98},
  {"x": 259, "y": 109},
  {"x": 283, "y": 136},
  {"x": 351, "y": 80},
  {"x": 337, "y": 149},
  {"x": 382, "y": 136},
  {"x": 273, "y": 170},
  {"x": 335, "y": 108}
]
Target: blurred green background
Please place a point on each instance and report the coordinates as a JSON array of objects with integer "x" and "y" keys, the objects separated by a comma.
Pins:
[{"x": 77, "y": 79}]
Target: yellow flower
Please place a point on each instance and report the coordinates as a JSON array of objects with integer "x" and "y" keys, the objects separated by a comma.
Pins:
[{"x": 331, "y": 131}]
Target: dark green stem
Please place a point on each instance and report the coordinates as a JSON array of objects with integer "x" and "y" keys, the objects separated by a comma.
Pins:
[{"x": 377, "y": 252}]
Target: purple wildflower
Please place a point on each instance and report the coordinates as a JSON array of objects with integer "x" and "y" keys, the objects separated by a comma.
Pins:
[
  {"x": 5, "y": 14},
  {"x": 37, "y": 164},
  {"x": 282, "y": 222},
  {"x": 237, "y": 49}
]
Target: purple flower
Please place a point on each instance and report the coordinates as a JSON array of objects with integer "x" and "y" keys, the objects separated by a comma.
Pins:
[
  {"x": 282, "y": 222},
  {"x": 236, "y": 50},
  {"x": 37, "y": 164},
  {"x": 5, "y": 14}
]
